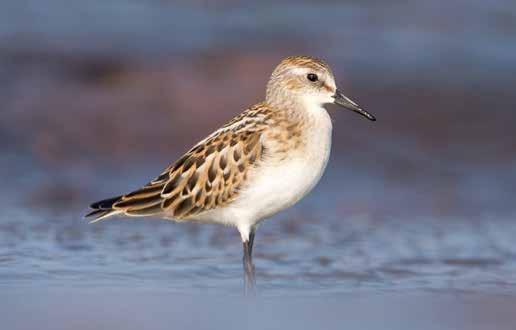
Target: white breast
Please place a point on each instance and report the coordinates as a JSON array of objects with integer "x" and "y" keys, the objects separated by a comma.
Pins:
[{"x": 277, "y": 186}]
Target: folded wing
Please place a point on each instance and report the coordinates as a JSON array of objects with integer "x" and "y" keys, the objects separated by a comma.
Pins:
[{"x": 206, "y": 177}]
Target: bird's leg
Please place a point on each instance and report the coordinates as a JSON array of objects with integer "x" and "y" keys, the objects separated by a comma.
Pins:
[
  {"x": 249, "y": 279},
  {"x": 251, "y": 242}
]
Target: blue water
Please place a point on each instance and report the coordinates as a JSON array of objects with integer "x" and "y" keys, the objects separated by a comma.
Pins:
[{"x": 369, "y": 236}]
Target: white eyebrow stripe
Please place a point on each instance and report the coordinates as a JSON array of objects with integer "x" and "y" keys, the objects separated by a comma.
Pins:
[{"x": 298, "y": 70}]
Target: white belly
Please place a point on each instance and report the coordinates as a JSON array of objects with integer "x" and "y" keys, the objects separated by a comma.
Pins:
[
  {"x": 279, "y": 187},
  {"x": 276, "y": 186}
]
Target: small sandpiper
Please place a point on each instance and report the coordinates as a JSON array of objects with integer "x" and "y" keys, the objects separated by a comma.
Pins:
[{"x": 261, "y": 162}]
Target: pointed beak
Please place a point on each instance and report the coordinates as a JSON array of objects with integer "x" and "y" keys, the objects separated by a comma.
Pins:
[{"x": 344, "y": 101}]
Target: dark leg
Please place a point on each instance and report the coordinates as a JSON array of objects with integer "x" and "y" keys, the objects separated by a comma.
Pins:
[
  {"x": 251, "y": 242},
  {"x": 249, "y": 279}
]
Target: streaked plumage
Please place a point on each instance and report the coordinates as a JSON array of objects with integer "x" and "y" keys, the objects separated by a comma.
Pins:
[{"x": 261, "y": 162}]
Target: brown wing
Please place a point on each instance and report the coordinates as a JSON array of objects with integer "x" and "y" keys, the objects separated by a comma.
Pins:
[{"x": 206, "y": 177}]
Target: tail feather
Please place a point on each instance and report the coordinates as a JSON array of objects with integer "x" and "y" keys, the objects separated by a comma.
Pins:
[
  {"x": 142, "y": 202},
  {"x": 98, "y": 215},
  {"x": 105, "y": 203},
  {"x": 103, "y": 209}
]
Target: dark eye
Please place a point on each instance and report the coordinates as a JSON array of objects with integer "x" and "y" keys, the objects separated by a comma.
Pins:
[{"x": 312, "y": 77}]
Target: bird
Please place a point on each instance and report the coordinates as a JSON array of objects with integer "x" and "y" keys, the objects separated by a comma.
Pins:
[{"x": 261, "y": 162}]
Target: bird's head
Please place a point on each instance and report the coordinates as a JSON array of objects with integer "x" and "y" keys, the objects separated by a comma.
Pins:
[{"x": 308, "y": 81}]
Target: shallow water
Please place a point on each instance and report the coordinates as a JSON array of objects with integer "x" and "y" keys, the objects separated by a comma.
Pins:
[
  {"x": 369, "y": 236},
  {"x": 340, "y": 258},
  {"x": 162, "y": 309}
]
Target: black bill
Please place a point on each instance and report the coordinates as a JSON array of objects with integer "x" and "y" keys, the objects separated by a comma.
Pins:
[{"x": 344, "y": 101}]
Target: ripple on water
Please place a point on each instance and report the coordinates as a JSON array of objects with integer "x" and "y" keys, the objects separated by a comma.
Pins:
[{"x": 314, "y": 247}]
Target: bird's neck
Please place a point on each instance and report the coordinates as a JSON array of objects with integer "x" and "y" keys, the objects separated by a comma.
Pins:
[{"x": 298, "y": 109}]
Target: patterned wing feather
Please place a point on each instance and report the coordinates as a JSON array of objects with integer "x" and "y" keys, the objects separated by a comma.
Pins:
[{"x": 208, "y": 176}]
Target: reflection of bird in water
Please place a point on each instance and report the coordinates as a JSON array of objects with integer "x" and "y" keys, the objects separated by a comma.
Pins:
[{"x": 261, "y": 162}]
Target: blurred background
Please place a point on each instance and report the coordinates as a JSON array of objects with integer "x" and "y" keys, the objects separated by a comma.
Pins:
[{"x": 97, "y": 97}]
